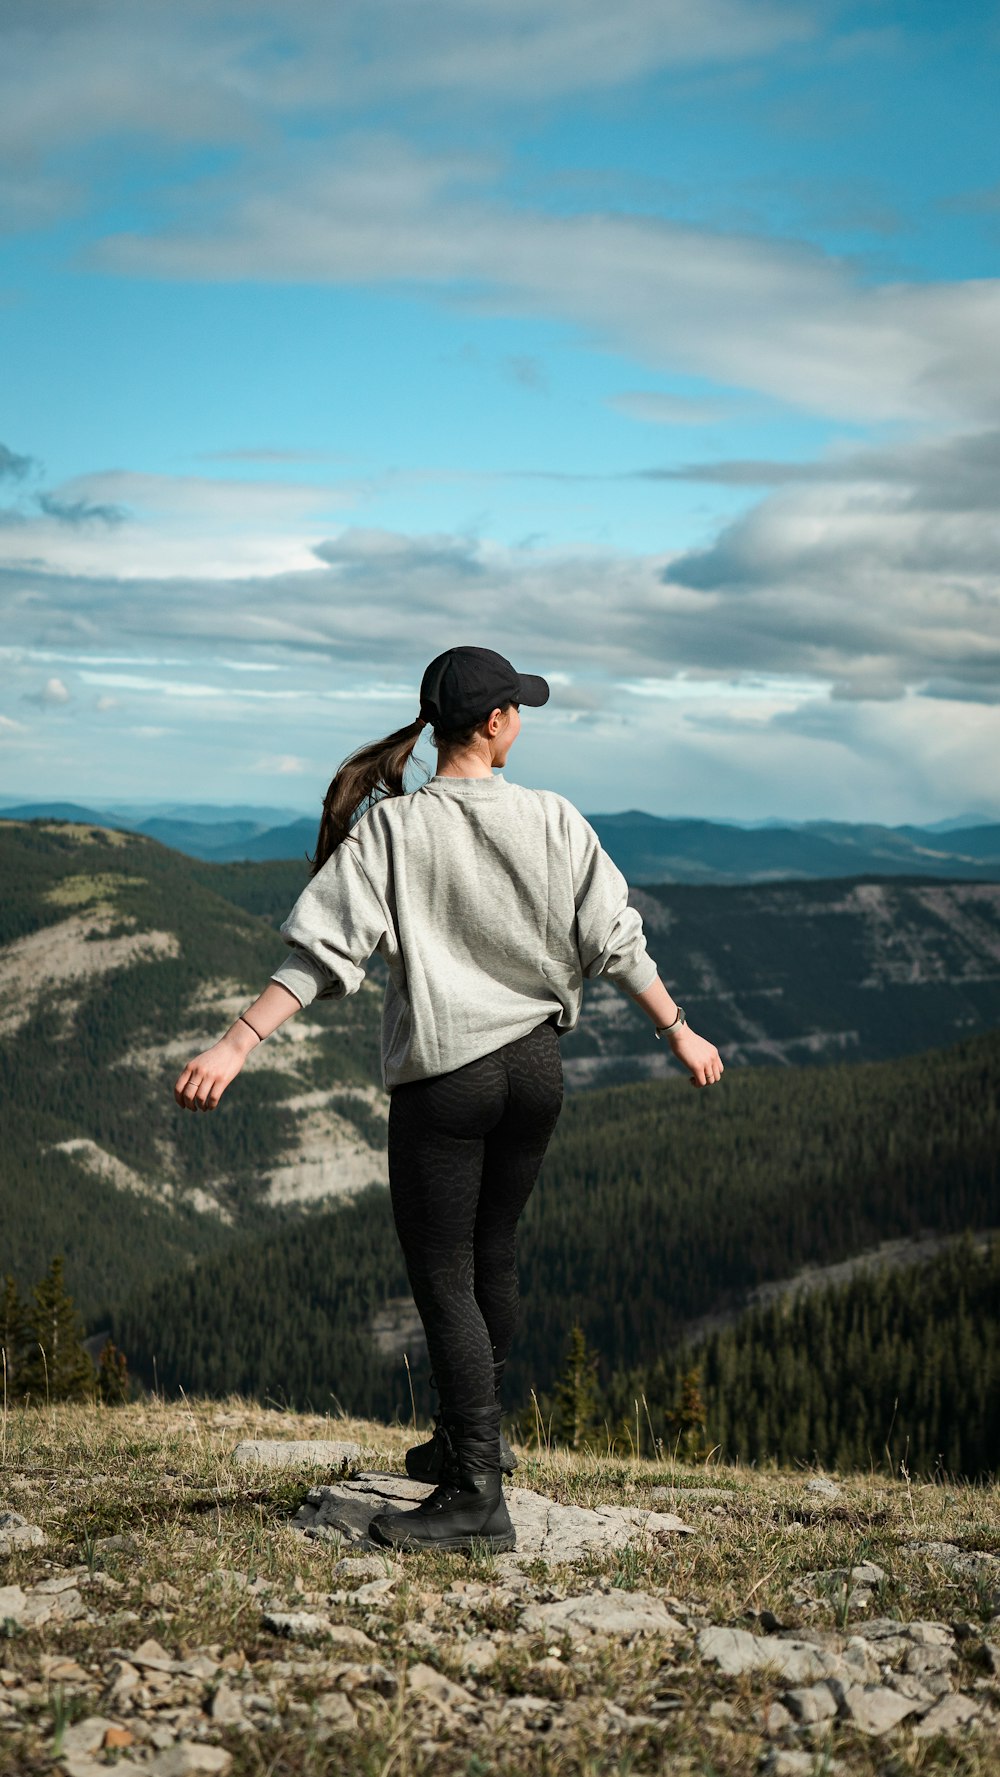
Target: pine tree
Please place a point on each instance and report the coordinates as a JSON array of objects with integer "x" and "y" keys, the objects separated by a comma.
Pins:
[
  {"x": 576, "y": 1391},
  {"x": 12, "y": 1337},
  {"x": 56, "y": 1366},
  {"x": 112, "y": 1375},
  {"x": 686, "y": 1418}
]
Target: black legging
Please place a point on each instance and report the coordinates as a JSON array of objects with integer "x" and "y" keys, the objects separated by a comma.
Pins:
[{"x": 465, "y": 1149}]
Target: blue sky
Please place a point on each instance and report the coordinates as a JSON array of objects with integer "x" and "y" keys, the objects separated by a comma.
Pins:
[{"x": 654, "y": 346}]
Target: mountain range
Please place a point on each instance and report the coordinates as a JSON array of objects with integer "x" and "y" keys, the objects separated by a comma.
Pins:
[
  {"x": 122, "y": 958},
  {"x": 648, "y": 848}
]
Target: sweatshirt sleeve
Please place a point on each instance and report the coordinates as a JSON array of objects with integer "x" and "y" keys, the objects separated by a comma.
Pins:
[
  {"x": 609, "y": 933},
  {"x": 336, "y": 923}
]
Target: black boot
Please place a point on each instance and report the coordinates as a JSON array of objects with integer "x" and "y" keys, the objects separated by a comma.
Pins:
[
  {"x": 426, "y": 1462},
  {"x": 467, "y": 1506}
]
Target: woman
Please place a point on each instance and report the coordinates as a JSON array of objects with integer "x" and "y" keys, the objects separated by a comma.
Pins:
[{"x": 490, "y": 904}]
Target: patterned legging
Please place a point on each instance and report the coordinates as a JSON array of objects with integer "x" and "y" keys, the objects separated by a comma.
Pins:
[{"x": 465, "y": 1149}]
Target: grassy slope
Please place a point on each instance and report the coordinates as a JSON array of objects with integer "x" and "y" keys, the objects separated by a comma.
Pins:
[{"x": 162, "y": 1476}]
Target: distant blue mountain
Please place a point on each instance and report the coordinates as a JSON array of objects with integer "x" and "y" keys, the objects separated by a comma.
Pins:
[{"x": 648, "y": 848}]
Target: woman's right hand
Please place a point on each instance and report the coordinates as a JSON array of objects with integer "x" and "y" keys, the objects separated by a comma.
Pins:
[
  {"x": 204, "y": 1080},
  {"x": 701, "y": 1057}
]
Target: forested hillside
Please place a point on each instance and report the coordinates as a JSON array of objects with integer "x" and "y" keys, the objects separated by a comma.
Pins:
[
  {"x": 901, "y": 1366},
  {"x": 120, "y": 959},
  {"x": 655, "y": 1205},
  {"x": 116, "y": 967}
]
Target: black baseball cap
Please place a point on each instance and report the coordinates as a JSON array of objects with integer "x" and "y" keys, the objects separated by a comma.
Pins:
[{"x": 461, "y": 686}]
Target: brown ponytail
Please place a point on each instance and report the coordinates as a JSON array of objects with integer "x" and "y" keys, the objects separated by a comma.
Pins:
[{"x": 370, "y": 774}]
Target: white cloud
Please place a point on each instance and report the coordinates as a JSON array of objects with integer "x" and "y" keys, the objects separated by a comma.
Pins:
[
  {"x": 171, "y": 75},
  {"x": 166, "y": 525},
  {"x": 722, "y": 694},
  {"x": 52, "y": 693},
  {"x": 877, "y": 570},
  {"x": 279, "y": 765},
  {"x": 771, "y": 315}
]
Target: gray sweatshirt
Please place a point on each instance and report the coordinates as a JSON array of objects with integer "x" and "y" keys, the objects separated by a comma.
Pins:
[{"x": 490, "y": 903}]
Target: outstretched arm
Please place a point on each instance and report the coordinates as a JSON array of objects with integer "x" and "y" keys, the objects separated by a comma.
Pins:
[{"x": 204, "y": 1080}]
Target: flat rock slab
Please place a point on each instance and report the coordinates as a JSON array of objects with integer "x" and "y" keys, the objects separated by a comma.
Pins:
[
  {"x": 616, "y": 1612},
  {"x": 542, "y": 1526},
  {"x": 798, "y": 1662},
  {"x": 294, "y": 1452}
]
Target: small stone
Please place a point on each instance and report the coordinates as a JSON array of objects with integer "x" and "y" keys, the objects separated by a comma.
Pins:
[
  {"x": 118, "y": 1737},
  {"x": 369, "y": 1593},
  {"x": 777, "y": 1721},
  {"x": 616, "y": 1612},
  {"x": 478, "y": 1655},
  {"x": 550, "y": 1667},
  {"x": 424, "y": 1681},
  {"x": 824, "y": 1488},
  {"x": 57, "y": 1670},
  {"x": 923, "y": 1660},
  {"x": 337, "y": 1711},
  {"x": 12, "y": 1603},
  {"x": 162, "y": 1592},
  {"x": 930, "y": 1634},
  {"x": 924, "y": 1691},
  {"x": 122, "y": 1677},
  {"x": 227, "y": 1705},
  {"x": 860, "y": 1663},
  {"x": 736, "y": 1651},
  {"x": 366, "y": 1567},
  {"x": 17, "y": 1533},
  {"x": 64, "y": 1606},
  {"x": 60, "y": 1582},
  {"x": 300, "y": 1624},
  {"x": 817, "y": 1703},
  {"x": 98, "y": 1581},
  {"x": 189, "y": 1757},
  {"x": 873, "y": 1709},
  {"x": 151, "y": 1654},
  {"x": 198, "y": 1666},
  {"x": 789, "y": 1764},
  {"x": 952, "y": 1713},
  {"x": 85, "y": 1736},
  {"x": 373, "y": 1675},
  {"x": 618, "y": 1720}
]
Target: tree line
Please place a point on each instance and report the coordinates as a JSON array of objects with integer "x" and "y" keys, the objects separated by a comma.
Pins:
[{"x": 42, "y": 1354}]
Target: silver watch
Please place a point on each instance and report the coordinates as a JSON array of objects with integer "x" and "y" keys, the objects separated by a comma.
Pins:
[{"x": 678, "y": 1021}]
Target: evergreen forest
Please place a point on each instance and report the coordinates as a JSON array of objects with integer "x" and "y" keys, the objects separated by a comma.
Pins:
[{"x": 654, "y": 1207}]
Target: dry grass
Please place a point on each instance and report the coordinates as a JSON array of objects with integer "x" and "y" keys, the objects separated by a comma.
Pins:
[{"x": 162, "y": 1474}]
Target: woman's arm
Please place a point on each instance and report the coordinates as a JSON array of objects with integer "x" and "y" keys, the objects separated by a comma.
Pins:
[
  {"x": 697, "y": 1054},
  {"x": 204, "y": 1080}
]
